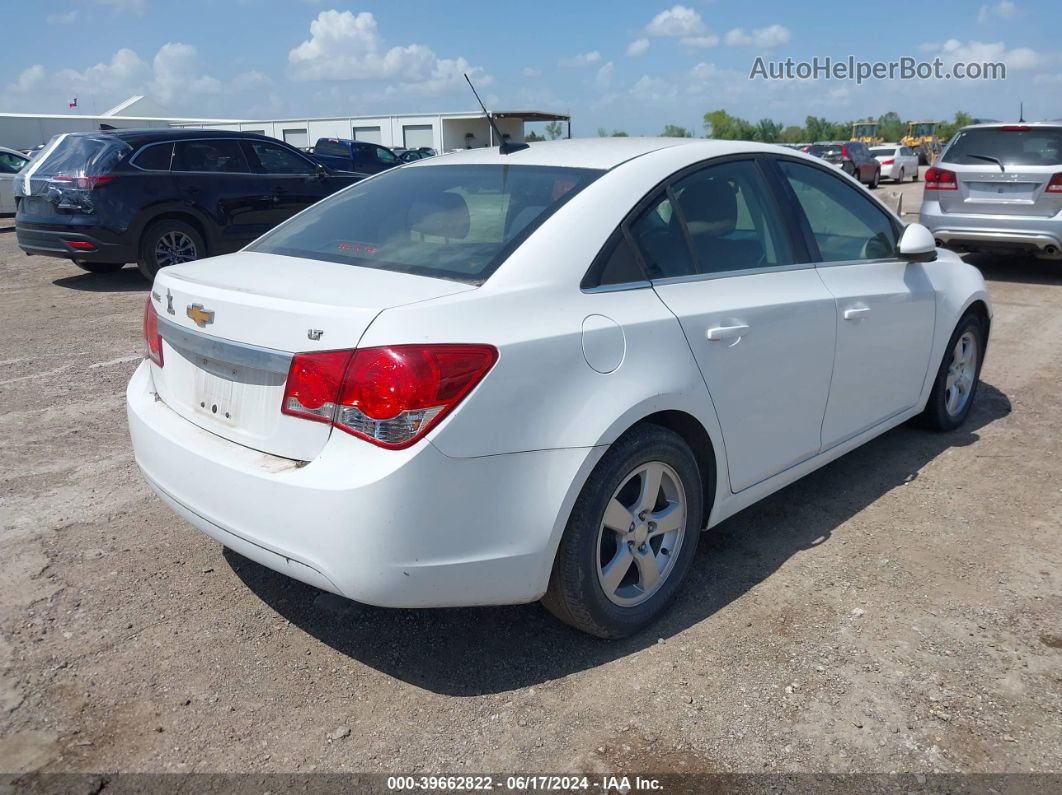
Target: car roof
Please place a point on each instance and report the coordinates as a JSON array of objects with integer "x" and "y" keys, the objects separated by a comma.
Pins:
[
  {"x": 998, "y": 124},
  {"x": 150, "y": 134},
  {"x": 594, "y": 153},
  {"x": 11, "y": 151}
]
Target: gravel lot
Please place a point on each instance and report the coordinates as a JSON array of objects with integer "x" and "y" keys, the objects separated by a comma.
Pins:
[{"x": 898, "y": 610}]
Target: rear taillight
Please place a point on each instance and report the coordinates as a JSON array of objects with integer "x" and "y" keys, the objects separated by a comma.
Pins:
[
  {"x": 1055, "y": 185},
  {"x": 1015, "y": 128},
  {"x": 844, "y": 150},
  {"x": 80, "y": 245},
  {"x": 940, "y": 179},
  {"x": 887, "y": 162},
  {"x": 86, "y": 183},
  {"x": 389, "y": 396},
  {"x": 152, "y": 338}
]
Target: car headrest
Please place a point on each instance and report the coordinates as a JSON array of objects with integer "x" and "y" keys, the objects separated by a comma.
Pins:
[
  {"x": 443, "y": 214},
  {"x": 710, "y": 207}
]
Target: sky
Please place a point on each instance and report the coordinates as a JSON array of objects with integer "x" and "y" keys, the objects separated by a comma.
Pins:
[{"x": 634, "y": 65}]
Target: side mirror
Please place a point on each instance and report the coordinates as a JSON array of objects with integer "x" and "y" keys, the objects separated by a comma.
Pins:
[
  {"x": 321, "y": 171},
  {"x": 917, "y": 244}
]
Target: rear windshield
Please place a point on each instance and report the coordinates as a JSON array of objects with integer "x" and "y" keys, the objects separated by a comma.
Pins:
[
  {"x": 326, "y": 147},
  {"x": 882, "y": 150},
  {"x": 450, "y": 221},
  {"x": 1030, "y": 146},
  {"x": 825, "y": 149},
  {"x": 80, "y": 155}
]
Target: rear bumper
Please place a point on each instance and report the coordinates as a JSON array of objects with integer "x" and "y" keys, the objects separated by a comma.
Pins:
[
  {"x": 407, "y": 528},
  {"x": 50, "y": 240},
  {"x": 967, "y": 232}
]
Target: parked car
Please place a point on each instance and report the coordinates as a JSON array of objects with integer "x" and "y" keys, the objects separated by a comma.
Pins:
[
  {"x": 391, "y": 415},
  {"x": 362, "y": 157},
  {"x": 11, "y": 162},
  {"x": 998, "y": 187},
  {"x": 408, "y": 155},
  {"x": 161, "y": 197},
  {"x": 852, "y": 157},
  {"x": 897, "y": 162}
]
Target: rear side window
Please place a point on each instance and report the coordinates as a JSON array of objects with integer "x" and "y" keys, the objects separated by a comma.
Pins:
[
  {"x": 273, "y": 159},
  {"x": 451, "y": 221},
  {"x": 730, "y": 218},
  {"x": 212, "y": 156},
  {"x": 333, "y": 147},
  {"x": 846, "y": 224},
  {"x": 661, "y": 240},
  {"x": 617, "y": 265},
  {"x": 155, "y": 157},
  {"x": 11, "y": 164},
  {"x": 1021, "y": 146}
]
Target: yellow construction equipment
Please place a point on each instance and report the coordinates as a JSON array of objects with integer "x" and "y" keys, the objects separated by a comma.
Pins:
[
  {"x": 922, "y": 138},
  {"x": 866, "y": 132}
]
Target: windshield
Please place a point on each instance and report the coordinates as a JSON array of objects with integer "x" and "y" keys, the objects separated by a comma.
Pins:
[
  {"x": 449, "y": 221},
  {"x": 1020, "y": 146},
  {"x": 882, "y": 150}
]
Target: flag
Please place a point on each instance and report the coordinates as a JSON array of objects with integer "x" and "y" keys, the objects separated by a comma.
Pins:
[{"x": 72, "y": 103}]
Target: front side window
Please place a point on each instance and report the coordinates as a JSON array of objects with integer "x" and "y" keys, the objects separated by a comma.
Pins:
[
  {"x": 846, "y": 224},
  {"x": 453, "y": 221},
  {"x": 222, "y": 156},
  {"x": 11, "y": 164},
  {"x": 273, "y": 159},
  {"x": 385, "y": 155},
  {"x": 731, "y": 219}
]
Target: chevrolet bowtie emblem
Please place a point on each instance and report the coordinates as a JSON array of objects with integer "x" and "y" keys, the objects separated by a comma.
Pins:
[{"x": 201, "y": 317}]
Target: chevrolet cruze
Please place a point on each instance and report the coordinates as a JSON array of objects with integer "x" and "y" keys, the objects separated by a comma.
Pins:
[{"x": 495, "y": 377}]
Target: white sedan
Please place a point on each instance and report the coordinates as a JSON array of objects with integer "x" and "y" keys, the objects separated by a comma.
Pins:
[
  {"x": 11, "y": 162},
  {"x": 897, "y": 162},
  {"x": 490, "y": 378}
]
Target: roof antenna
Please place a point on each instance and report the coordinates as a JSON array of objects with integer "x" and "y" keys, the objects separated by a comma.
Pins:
[
  {"x": 1021, "y": 112},
  {"x": 504, "y": 147}
]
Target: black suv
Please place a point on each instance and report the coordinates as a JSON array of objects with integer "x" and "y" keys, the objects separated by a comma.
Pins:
[
  {"x": 852, "y": 157},
  {"x": 160, "y": 197}
]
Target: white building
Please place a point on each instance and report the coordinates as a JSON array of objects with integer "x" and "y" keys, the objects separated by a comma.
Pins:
[{"x": 441, "y": 131}]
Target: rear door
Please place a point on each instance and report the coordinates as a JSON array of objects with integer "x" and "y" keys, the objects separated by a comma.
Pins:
[
  {"x": 885, "y": 306},
  {"x": 1004, "y": 170},
  {"x": 213, "y": 175},
  {"x": 293, "y": 180},
  {"x": 756, "y": 315}
]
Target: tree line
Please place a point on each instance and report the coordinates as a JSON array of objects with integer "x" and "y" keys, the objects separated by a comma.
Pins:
[{"x": 720, "y": 124}]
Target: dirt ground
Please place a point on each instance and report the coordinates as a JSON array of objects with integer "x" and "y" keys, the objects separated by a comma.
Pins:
[{"x": 899, "y": 610}]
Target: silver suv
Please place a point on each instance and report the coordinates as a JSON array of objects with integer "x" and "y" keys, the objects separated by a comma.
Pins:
[{"x": 998, "y": 187}]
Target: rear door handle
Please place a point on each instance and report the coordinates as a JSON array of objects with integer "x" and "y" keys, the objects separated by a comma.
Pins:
[
  {"x": 856, "y": 313},
  {"x": 726, "y": 332}
]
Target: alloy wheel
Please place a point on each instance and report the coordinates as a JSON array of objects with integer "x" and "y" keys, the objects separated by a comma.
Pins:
[
  {"x": 173, "y": 248},
  {"x": 643, "y": 528},
  {"x": 962, "y": 372}
]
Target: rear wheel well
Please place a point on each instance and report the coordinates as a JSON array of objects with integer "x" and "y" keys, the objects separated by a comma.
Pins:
[
  {"x": 191, "y": 220},
  {"x": 693, "y": 433}
]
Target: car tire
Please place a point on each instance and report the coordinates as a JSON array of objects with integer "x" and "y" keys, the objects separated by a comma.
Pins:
[
  {"x": 875, "y": 179},
  {"x": 168, "y": 242},
  {"x": 915, "y": 177},
  {"x": 581, "y": 591},
  {"x": 959, "y": 374},
  {"x": 899, "y": 179},
  {"x": 99, "y": 267}
]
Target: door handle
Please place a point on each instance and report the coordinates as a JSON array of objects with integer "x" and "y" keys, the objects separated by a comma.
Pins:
[
  {"x": 726, "y": 332},
  {"x": 856, "y": 313}
]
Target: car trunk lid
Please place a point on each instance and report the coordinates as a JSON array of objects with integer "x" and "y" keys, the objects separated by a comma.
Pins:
[{"x": 231, "y": 325}]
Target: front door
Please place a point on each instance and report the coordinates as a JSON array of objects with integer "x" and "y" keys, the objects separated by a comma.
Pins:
[
  {"x": 760, "y": 325},
  {"x": 292, "y": 179},
  {"x": 886, "y": 307}
]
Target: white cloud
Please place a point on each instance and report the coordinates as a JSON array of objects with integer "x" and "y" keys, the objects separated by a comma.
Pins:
[
  {"x": 177, "y": 73},
  {"x": 30, "y": 79},
  {"x": 760, "y": 38},
  {"x": 123, "y": 75},
  {"x": 530, "y": 71},
  {"x": 705, "y": 71},
  {"x": 1005, "y": 9},
  {"x": 638, "y": 47},
  {"x": 67, "y": 18},
  {"x": 582, "y": 59},
  {"x": 654, "y": 89},
  {"x": 952, "y": 51},
  {"x": 604, "y": 76},
  {"x": 700, "y": 41},
  {"x": 676, "y": 21},
  {"x": 347, "y": 46},
  {"x": 125, "y": 6}
]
